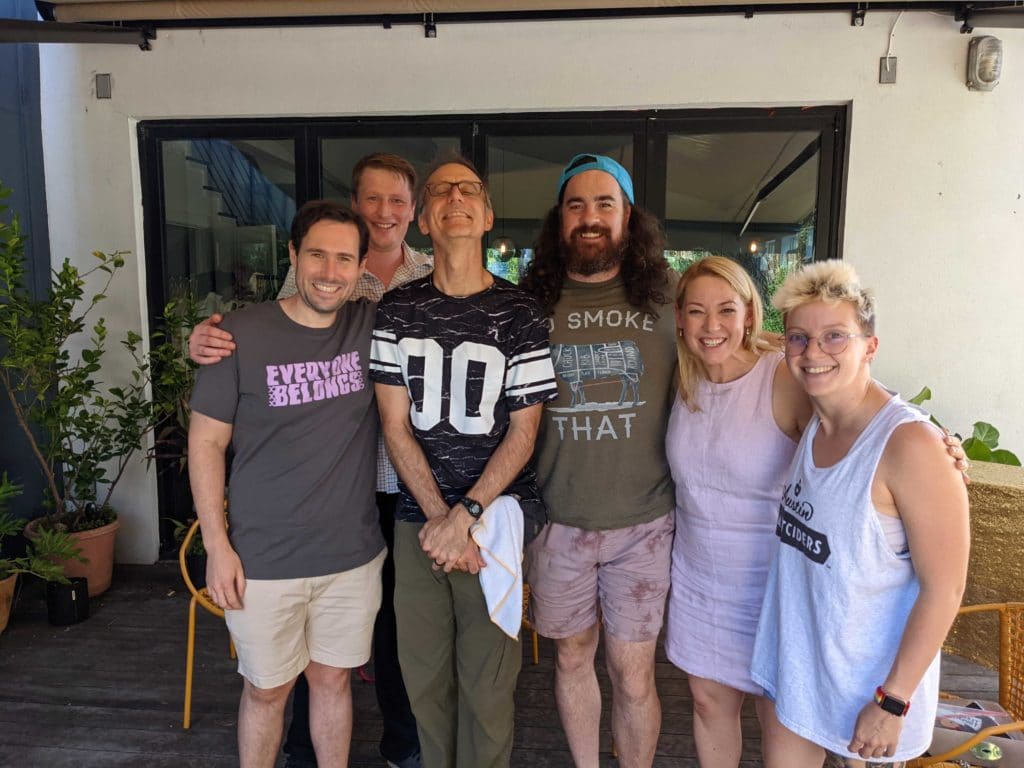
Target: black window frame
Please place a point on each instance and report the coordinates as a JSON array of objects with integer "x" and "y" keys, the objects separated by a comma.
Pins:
[{"x": 649, "y": 128}]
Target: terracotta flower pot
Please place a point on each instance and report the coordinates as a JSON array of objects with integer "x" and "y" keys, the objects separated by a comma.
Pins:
[
  {"x": 6, "y": 596},
  {"x": 97, "y": 548}
]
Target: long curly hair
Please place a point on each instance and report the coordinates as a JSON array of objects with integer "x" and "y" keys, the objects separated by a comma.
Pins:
[{"x": 645, "y": 271}]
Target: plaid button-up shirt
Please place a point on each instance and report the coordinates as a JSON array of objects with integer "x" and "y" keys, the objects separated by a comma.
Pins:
[{"x": 414, "y": 266}]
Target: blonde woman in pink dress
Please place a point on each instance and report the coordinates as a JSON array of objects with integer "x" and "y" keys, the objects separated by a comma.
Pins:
[{"x": 731, "y": 436}]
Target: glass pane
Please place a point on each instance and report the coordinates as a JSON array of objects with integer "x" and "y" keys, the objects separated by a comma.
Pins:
[
  {"x": 228, "y": 208},
  {"x": 522, "y": 173},
  {"x": 340, "y": 155},
  {"x": 755, "y": 201}
]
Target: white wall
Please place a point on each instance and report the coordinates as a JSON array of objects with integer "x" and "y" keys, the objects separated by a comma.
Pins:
[{"x": 934, "y": 215}]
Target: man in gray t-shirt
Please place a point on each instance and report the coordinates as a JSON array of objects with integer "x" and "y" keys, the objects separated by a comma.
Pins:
[{"x": 298, "y": 571}]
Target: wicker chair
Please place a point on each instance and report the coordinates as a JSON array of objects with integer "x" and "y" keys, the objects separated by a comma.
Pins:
[
  {"x": 199, "y": 597},
  {"x": 1011, "y": 679}
]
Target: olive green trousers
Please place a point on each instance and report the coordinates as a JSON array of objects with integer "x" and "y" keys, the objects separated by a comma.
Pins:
[{"x": 460, "y": 669}]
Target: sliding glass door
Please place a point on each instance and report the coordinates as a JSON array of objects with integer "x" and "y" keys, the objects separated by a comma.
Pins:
[{"x": 762, "y": 186}]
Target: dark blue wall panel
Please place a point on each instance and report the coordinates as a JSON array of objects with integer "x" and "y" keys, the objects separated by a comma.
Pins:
[{"x": 21, "y": 169}]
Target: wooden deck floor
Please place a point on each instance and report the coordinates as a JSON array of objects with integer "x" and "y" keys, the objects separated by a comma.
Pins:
[{"x": 107, "y": 693}]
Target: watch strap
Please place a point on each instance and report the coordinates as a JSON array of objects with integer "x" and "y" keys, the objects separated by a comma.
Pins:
[{"x": 474, "y": 507}]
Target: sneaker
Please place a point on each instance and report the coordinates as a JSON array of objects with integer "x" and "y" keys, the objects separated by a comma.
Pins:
[{"x": 412, "y": 761}]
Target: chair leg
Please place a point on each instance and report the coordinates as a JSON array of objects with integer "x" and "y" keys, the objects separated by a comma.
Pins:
[
  {"x": 190, "y": 655},
  {"x": 231, "y": 648},
  {"x": 536, "y": 648}
]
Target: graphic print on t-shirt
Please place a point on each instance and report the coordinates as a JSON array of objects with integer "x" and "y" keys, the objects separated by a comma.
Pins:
[
  {"x": 580, "y": 364},
  {"x": 466, "y": 365},
  {"x": 602, "y": 376},
  {"x": 793, "y": 529},
  {"x": 298, "y": 383}
]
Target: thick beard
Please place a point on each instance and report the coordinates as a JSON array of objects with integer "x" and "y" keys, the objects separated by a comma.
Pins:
[{"x": 587, "y": 260}]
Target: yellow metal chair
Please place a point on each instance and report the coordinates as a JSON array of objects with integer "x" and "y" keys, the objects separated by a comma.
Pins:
[
  {"x": 1011, "y": 679},
  {"x": 199, "y": 597}
]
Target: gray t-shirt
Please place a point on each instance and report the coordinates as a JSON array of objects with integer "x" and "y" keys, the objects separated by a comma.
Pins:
[{"x": 301, "y": 487}]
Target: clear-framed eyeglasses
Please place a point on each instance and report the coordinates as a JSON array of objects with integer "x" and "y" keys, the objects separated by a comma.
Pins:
[
  {"x": 467, "y": 188},
  {"x": 830, "y": 342}
]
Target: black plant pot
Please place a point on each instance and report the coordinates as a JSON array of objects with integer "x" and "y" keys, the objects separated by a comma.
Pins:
[{"x": 67, "y": 603}]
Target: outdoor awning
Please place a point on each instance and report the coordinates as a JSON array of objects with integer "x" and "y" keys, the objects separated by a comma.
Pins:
[
  {"x": 137, "y": 21},
  {"x": 450, "y": 10}
]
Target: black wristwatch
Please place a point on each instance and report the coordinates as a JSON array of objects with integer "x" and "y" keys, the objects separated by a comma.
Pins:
[
  {"x": 474, "y": 507},
  {"x": 891, "y": 704}
]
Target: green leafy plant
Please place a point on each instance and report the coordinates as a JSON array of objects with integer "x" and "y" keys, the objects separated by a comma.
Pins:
[
  {"x": 173, "y": 378},
  {"x": 982, "y": 445},
  {"x": 180, "y": 529},
  {"x": 81, "y": 433},
  {"x": 43, "y": 555}
]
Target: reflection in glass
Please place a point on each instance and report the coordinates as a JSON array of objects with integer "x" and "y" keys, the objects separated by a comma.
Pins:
[
  {"x": 750, "y": 196},
  {"x": 228, "y": 209}
]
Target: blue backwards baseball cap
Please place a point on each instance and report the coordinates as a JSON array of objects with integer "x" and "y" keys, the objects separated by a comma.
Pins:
[{"x": 582, "y": 163}]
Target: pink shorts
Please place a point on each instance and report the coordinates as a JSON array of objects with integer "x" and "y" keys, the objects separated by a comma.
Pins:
[{"x": 572, "y": 572}]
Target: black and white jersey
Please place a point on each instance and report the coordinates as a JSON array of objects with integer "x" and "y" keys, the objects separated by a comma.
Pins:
[{"x": 466, "y": 363}]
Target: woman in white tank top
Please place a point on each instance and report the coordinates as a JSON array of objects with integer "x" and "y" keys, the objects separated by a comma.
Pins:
[{"x": 851, "y": 628}]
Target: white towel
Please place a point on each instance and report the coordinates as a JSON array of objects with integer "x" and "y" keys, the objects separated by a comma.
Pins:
[{"x": 499, "y": 534}]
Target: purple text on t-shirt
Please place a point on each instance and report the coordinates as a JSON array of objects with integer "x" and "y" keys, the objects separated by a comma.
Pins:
[{"x": 298, "y": 383}]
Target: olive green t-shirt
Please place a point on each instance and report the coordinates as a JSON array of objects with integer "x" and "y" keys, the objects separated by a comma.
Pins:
[{"x": 601, "y": 449}]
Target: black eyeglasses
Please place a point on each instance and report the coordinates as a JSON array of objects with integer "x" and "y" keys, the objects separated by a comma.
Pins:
[
  {"x": 830, "y": 342},
  {"x": 467, "y": 188}
]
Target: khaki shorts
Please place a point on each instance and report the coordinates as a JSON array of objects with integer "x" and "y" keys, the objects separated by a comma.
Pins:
[
  {"x": 286, "y": 623},
  {"x": 624, "y": 571}
]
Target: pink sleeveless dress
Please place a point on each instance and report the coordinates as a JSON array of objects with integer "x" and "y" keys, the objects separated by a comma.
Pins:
[{"x": 729, "y": 462}]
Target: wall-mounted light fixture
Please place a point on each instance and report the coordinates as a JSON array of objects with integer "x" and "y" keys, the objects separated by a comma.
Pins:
[
  {"x": 984, "y": 63},
  {"x": 429, "y": 27}
]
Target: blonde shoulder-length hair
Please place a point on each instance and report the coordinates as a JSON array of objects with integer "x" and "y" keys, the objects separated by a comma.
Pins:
[{"x": 691, "y": 369}]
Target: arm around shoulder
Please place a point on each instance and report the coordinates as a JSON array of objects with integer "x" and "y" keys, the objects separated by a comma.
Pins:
[{"x": 790, "y": 405}]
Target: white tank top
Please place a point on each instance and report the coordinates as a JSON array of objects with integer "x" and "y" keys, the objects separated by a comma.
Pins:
[{"x": 838, "y": 598}]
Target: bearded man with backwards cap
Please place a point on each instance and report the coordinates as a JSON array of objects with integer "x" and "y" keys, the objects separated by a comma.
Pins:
[{"x": 600, "y": 274}]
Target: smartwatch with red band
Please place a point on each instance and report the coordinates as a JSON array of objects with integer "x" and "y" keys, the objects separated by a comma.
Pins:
[{"x": 894, "y": 705}]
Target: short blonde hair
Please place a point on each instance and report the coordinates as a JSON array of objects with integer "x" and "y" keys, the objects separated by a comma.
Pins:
[
  {"x": 829, "y": 281},
  {"x": 691, "y": 370}
]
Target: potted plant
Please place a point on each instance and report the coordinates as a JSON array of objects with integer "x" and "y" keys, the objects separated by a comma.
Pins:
[
  {"x": 173, "y": 378},
  {"x": 81, "y": 432},
  {"x": 42, "y": 557}
]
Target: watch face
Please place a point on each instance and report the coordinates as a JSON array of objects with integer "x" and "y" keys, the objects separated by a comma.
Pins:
[
  {"x": 473, "y": 507},
  {"x": 893, "y": 706}
]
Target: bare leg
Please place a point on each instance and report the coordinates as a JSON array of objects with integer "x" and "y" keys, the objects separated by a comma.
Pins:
[
  {"x": 783, "y": 748},
  {"x": 578, "y": 695},
  {"x": 716, "y": 723},
  {"x": 260, "y": 723},
  {"x": 330, "y": 714},
  {"x": 636, "y": 710}
]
